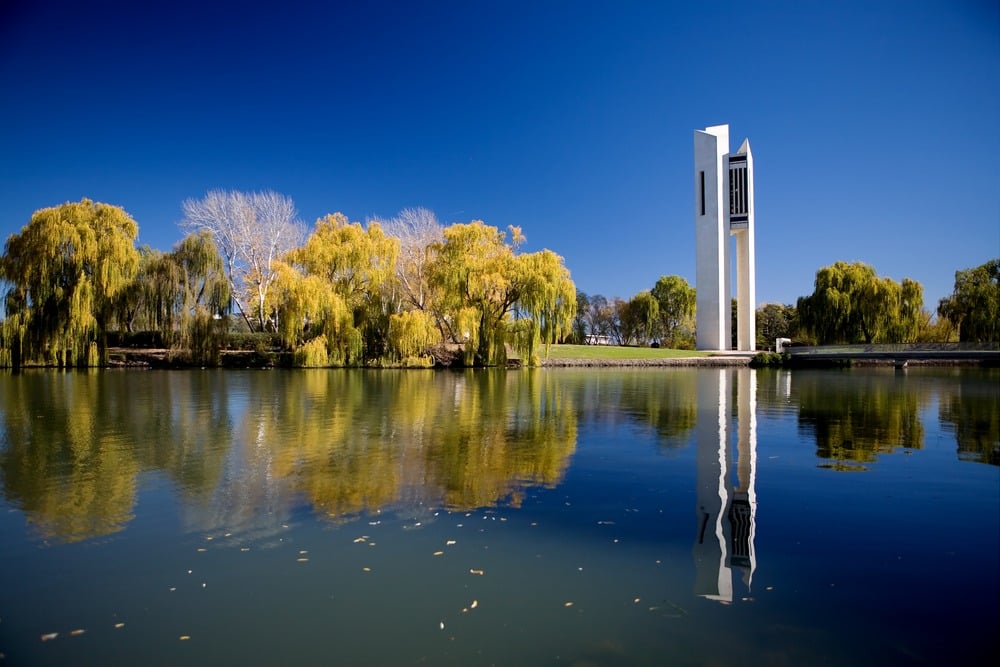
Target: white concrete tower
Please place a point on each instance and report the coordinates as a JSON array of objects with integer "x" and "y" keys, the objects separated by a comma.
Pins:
[{"x": 723, "y": 191}]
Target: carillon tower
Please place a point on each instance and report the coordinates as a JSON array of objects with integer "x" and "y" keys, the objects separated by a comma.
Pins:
[{"x": 723, "y": 188}]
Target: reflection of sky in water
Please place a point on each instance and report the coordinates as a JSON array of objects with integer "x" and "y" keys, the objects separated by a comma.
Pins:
[{"x": 609, "y": 514}]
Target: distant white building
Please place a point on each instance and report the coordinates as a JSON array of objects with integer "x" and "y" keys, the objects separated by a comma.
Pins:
[
  {"x": 724, "y": 207},
  {"x": 596, "y": 339}
]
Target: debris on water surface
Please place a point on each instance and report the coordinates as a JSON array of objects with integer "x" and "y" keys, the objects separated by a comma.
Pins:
[
  {"x": 568, "y": 604},
  {"x": 202, "y": 549},
  {"x": 50, "y": 636},
  {"x": 77, "y": 632},
  {"x": 442, "y": 625},
  {"x": 119, "y": 626},
  {"x": 360, "y": 539},
  {"x": 478, "y": 572},
  {"x": 475, "y": 603},
  {"x": 438, "y": 553},
  {"x": 301, "y": 560},
  {"x": 184, "y": 638},
  {"x": 367, "y": 569},
  {"x": 449, "y": 543}
]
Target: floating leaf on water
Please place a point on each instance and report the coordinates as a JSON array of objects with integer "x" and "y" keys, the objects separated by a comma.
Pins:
[
  {"x": 478, "y": 572},
  {"x": 50, "y": 636}
]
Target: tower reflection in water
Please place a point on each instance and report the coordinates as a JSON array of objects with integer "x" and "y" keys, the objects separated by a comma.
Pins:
[{"x": 727, "y": 501}]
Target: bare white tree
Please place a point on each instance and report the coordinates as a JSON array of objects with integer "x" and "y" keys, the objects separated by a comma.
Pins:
[
  {"x": 416, "y": 229},
  {"x": 251, "y": 232}
]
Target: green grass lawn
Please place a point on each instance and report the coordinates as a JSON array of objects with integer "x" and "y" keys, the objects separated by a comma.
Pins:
[{"x": 615, "y": 352}]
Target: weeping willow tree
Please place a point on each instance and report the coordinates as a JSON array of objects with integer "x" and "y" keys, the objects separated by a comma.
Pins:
[
  {"x": 546, "y": 299},
  {"x": 203, "y": 297},
  {"x": 473, "y": 273},
  {"x": 337, "y": 286},
  {"x": 182, "y": 295},
  {"x": 852, "y": 304},
  {"x": 480, "y": 283},
  {"x": 65, "y": 270}
]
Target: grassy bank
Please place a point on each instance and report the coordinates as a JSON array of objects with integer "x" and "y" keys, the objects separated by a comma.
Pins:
[{"x": 616, "y": 353}]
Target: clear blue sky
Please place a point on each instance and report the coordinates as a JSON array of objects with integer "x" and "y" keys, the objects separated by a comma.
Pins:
[{"x": 875, "y": 125}]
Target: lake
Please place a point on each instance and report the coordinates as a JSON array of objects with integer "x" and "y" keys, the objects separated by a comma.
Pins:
[{"x": 688, "y": 516}]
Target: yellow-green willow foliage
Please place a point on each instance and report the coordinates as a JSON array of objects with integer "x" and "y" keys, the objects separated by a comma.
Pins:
[
  {"x": 411, "y": 333},
  {"x": 337, "y": 285},
  {"x": 547, "y": 298},
  {"x": 479, "y": 282},
  {"x": 473, "y": 272},
  {"x": 852, "y": 304},
  {"x": 66, "y": 268},
  {"x": 203, "y": 297}
]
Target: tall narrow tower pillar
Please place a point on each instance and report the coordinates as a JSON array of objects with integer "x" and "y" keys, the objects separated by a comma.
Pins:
[{"x": 724, "y": 207}]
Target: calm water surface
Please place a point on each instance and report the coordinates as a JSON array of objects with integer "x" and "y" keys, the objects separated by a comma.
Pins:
[{"x": 545, "y": 517}]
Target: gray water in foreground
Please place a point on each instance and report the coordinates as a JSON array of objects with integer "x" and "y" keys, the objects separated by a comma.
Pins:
[{"x": 538, "y": 517}]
